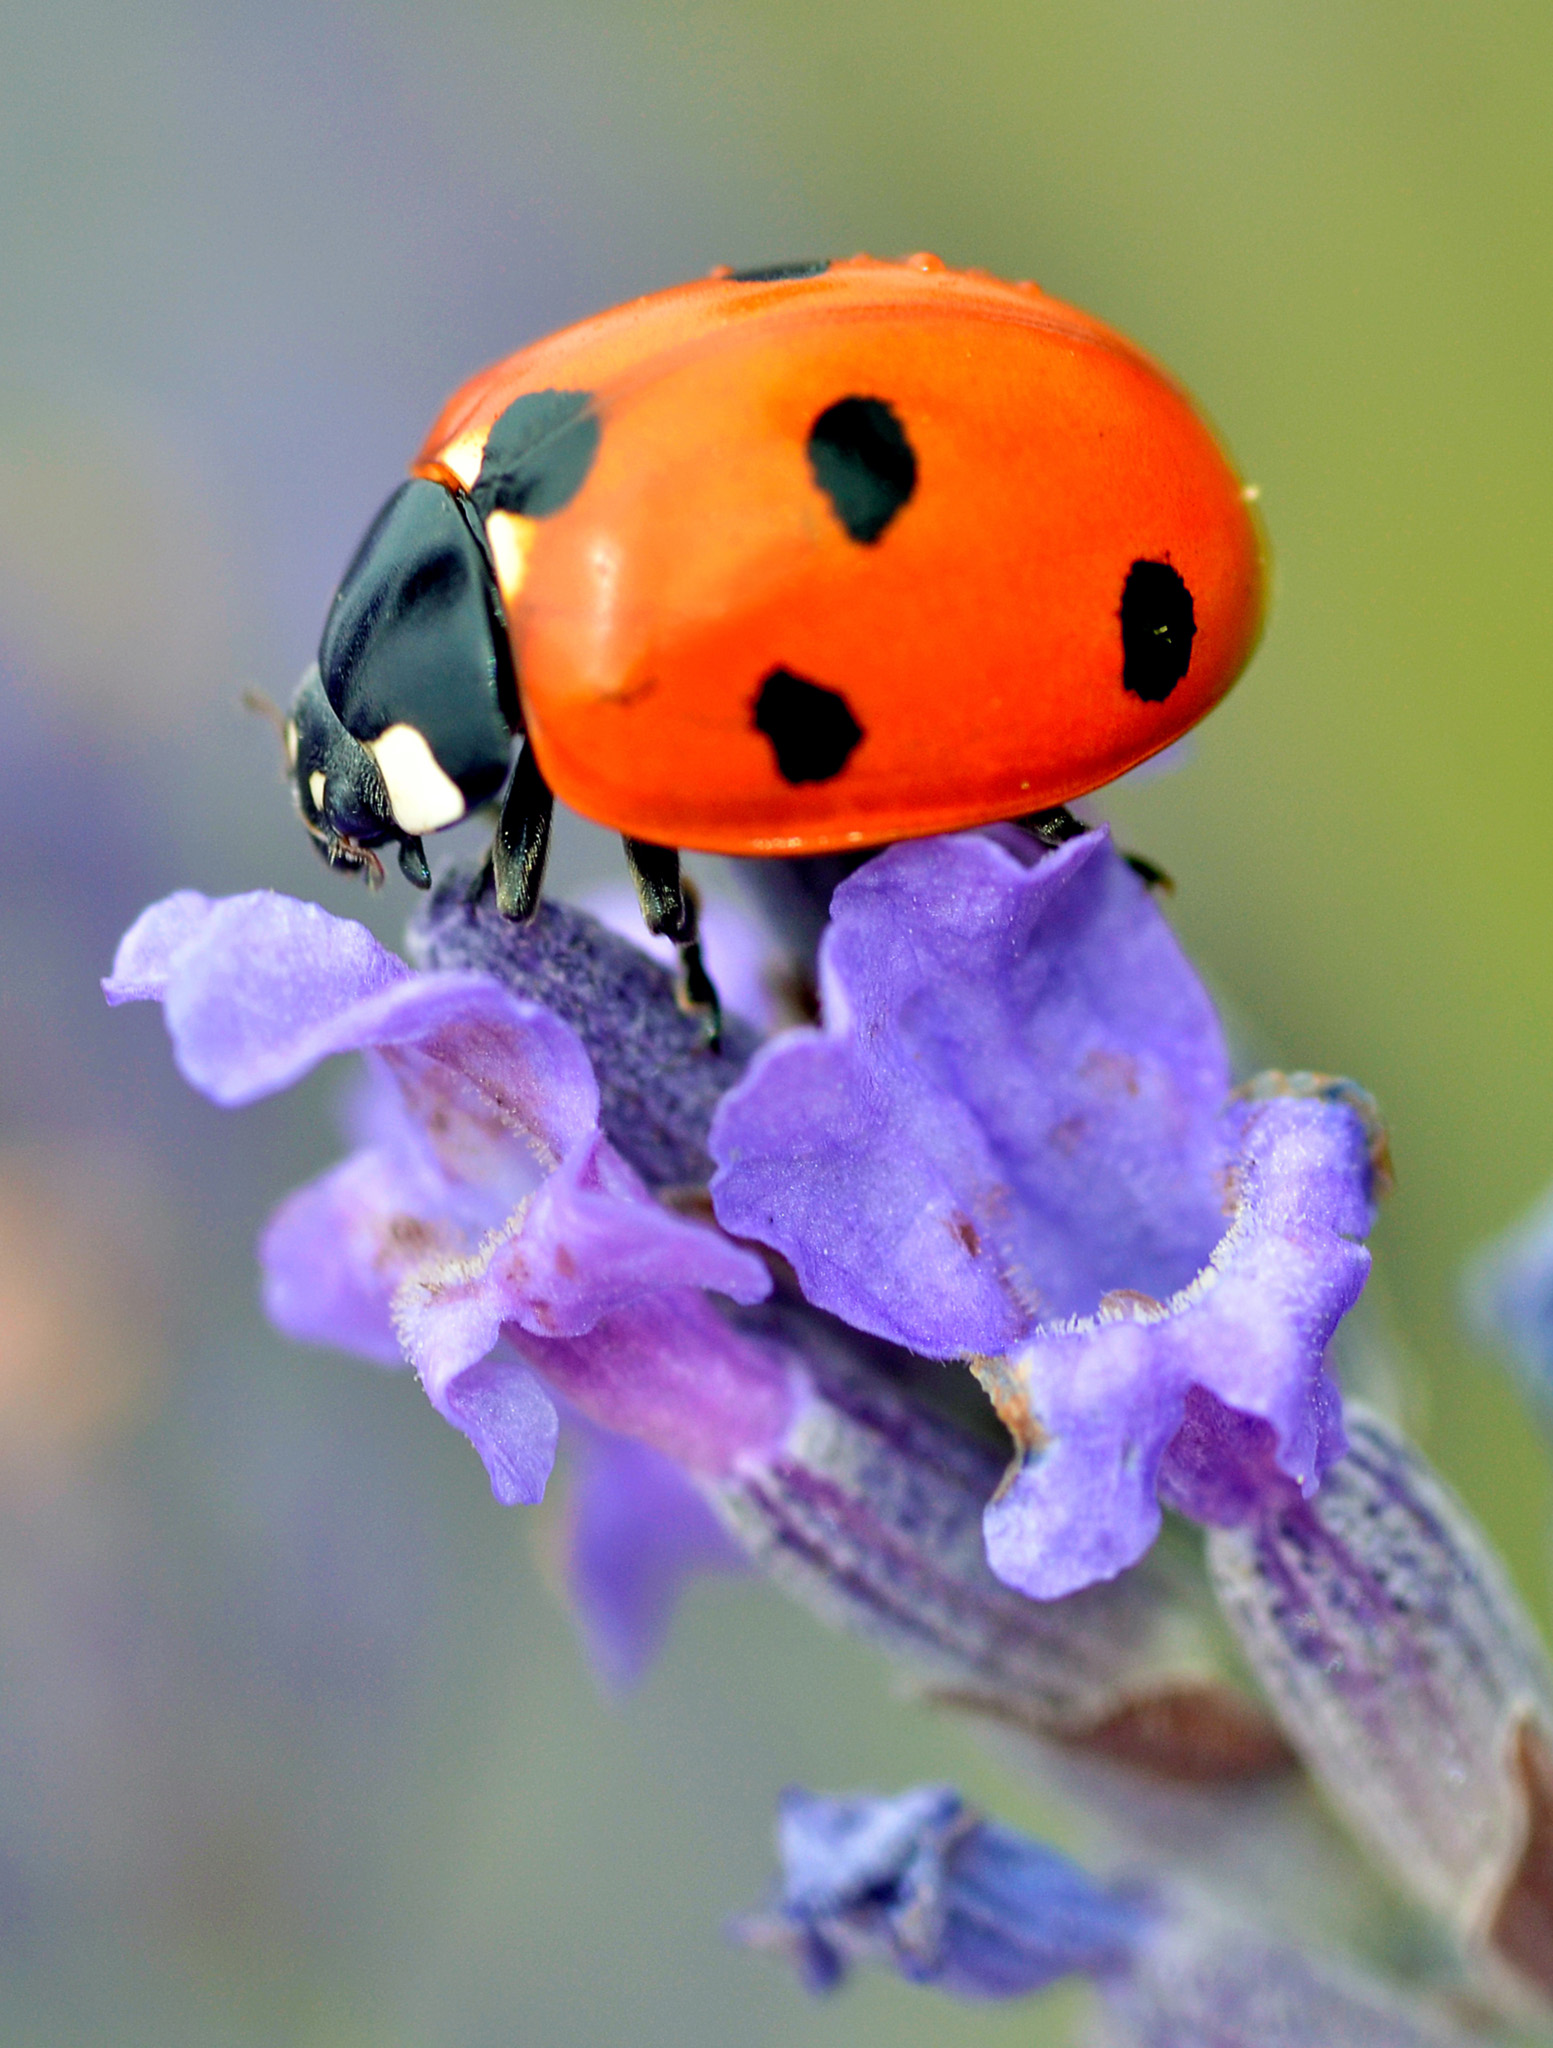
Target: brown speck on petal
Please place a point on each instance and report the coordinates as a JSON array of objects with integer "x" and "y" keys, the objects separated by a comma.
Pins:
[
  {"x": 1110, "y": 1073},
  {"x": 1067, "y": 1135}
]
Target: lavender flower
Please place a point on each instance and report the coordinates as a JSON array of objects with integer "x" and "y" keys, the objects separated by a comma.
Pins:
[
  {"x": 926, "y": 1887},
  {"x": 485, "y": 1202},
  {"x": 1015, "y": 1136},
  {"x": 486, "y": 1224}
]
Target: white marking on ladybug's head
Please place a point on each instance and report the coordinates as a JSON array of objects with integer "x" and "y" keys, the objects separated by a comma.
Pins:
[
  {"x": 290, "y": 737},
  {"x": 422, "y": 795},
  {"x": 511, "y": 538},
  {"x": 315, "y": 789}
]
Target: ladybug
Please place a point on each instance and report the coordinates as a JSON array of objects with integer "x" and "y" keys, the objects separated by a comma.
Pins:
[{"x": 787, "y": 561}]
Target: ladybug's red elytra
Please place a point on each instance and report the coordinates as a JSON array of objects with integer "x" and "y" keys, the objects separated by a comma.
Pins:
[{"x": 784, "y": 561}]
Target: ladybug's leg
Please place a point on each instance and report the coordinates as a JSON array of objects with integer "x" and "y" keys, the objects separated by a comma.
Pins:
[
  {"x": 1150, "y": 873},
  {"x": 1053, "y": 828},
  {"x": 669, "y": 911},
  {"x": 522, "y": 842},
  {"x": 412, "y": 863}
]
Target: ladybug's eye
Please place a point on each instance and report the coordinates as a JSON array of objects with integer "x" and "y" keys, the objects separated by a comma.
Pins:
[{"x": 863, "y": 463}]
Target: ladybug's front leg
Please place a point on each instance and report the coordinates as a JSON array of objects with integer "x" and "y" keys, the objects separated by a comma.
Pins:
[
  {"x": 669, "y": 910},
  {"x": 522, "y": 843}
]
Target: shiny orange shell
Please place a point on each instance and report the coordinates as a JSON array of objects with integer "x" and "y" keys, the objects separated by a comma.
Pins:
[{"x": 976, "y": 642}]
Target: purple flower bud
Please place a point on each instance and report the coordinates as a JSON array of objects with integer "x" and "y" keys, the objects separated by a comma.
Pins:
[
  {"x": 924, "y": 1886},
  {"x": 1411, "y": 1680},
  {"x": 1015, "y": 1137}
]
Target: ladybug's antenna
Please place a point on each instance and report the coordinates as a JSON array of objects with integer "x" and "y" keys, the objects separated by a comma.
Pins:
[{"x": 270, "y": 711}]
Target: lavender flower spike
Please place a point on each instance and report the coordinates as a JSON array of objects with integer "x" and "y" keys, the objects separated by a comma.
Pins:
[
  {"x": 486, "y": 1204},
  {"x": 868, "y": 1508},
  {"x": 485, "y": 1224},
  {"x": 928, "y": 1888},
  {"x": 1410, "y": 1678},
  {"x": 1015, "y": 1140}
]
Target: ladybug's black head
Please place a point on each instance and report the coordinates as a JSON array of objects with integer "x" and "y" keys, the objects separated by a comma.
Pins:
[
  {"x": 406, "y": 723},
  {"x": 338, "y": 786}
]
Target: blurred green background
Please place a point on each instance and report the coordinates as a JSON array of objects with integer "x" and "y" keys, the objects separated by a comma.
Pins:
[{"x": 295, "y": 1742}]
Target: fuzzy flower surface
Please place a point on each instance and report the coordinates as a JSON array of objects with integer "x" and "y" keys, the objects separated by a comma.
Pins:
[{"x": 1015, "y": 1139}]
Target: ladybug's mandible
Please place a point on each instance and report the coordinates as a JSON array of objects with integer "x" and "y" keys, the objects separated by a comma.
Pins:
[{"x": 785, "y": 561}]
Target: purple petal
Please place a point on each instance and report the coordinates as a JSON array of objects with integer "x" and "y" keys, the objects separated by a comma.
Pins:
[
  {"x": 588, "y": 1242},
  {"x": 1096, "y": 1405},
  {"x": 259, "y": 989},
  {"x": 253, "y": 989},
  {"x": 511, "y": 1421},
  {"x": 674, "y": 1374},
  {"x": 146, "y": 954},
  {"x": 636, "y": 1530},
  {"x": 1012, "y": 1108},
  {"x": 334, "y": 1253},
  {"x": 925, "y": 1887},
  {"x": 486, "y": 1198}
]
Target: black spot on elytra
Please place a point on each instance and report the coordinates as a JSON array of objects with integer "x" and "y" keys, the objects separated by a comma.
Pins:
[
  {"x": 863, "y": 463},
  {"x": 1158, "y": 627},
  {"x": 776, "y": 273},
  {"x": 811, "y": 729},
  {"x": 538, "y": 454}
]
